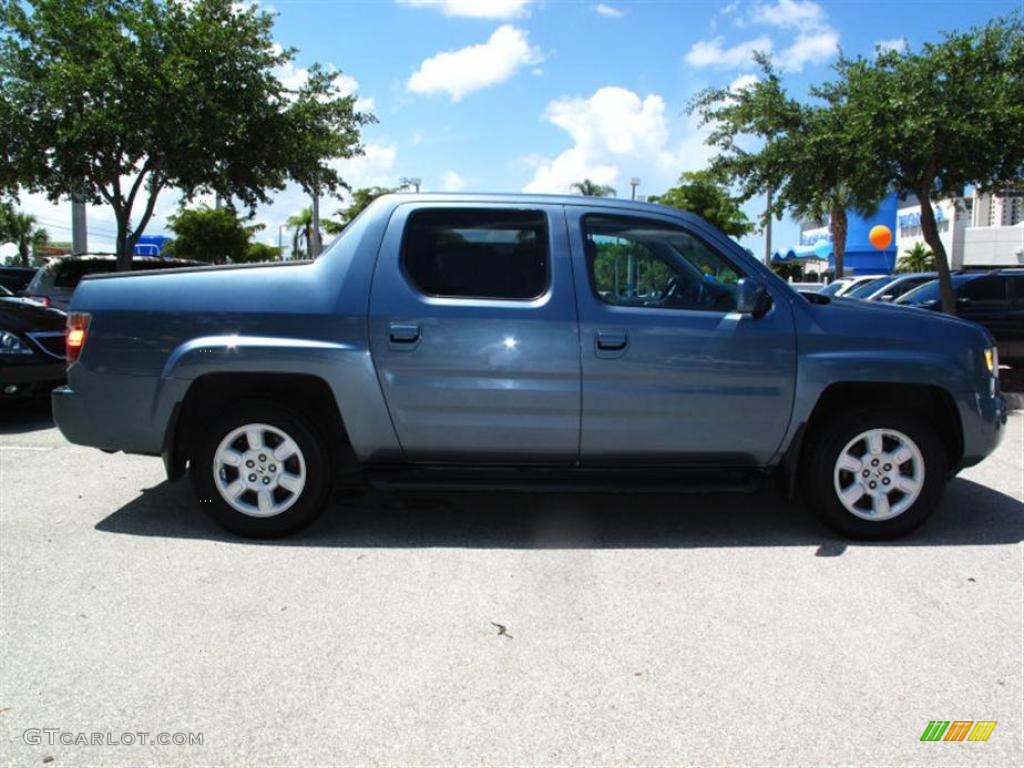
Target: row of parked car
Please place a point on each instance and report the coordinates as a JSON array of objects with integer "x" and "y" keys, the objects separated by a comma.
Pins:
[
  {"x": 992, "y": 298},
  {"x": 33, "y": 302}
]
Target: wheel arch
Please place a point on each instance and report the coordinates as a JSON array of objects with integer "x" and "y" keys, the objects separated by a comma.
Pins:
[
  {"x": 305, "y": 394},
  {"x": 935, "y": 401}
]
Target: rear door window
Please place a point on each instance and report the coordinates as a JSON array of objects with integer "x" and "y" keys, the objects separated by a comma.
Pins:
[
  {"x": 477, "y": 254},
  {"x": 990, "y": 290}
]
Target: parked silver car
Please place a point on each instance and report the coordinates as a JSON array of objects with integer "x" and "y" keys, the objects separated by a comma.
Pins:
[{"x": 53, "y": 284}]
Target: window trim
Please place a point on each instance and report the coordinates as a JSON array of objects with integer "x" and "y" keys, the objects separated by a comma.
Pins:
[
  {"x": 741, "y": 273},
  {"x": 415, "y": 286}
]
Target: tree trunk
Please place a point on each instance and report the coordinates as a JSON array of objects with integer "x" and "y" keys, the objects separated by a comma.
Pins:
[
  {"x": 930, "y": 230},
  {"x": 122, "y": 248},
  {"x": 838, "y": 226},
  {"x": 23, "y": 253}
]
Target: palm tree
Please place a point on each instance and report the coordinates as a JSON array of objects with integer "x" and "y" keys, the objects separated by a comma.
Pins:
[
  {"x": 589, "y": 188},
  {"x": 302, "y": 224},
  {"x": 20, "y": 229},
  {"x": 916, "y": 259}
]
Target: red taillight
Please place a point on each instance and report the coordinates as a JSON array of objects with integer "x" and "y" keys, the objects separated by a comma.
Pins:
[
  {"x": 78, "y": 327},
  {"x": 44, "y": 300}
]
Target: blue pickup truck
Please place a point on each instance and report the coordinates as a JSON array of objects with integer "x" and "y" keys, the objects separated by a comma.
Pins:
[{"x": 495, "y": 341}]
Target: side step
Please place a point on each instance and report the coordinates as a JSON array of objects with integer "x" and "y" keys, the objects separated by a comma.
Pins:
[{"x": 568, "y": 480}]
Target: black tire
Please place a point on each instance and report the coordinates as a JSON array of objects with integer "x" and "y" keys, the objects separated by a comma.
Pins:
[
  {"x": 823, "y": 451},
  {"x": 307, "y": 503}
]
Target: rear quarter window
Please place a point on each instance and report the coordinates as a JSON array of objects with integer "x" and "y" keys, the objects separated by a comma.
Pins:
[{"x": 477, "y": 254}]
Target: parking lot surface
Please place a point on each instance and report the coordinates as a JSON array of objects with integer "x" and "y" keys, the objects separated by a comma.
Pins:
[{"x": 498, "y": 629}]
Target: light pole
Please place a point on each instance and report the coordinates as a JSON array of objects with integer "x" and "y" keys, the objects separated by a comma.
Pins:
[
  {"x": 412, "y": 181},
  {"x": 280, "y": 241},
  {"x": 634, "y": 183}
]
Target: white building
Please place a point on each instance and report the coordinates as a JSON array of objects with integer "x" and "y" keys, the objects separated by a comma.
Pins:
[{"x": 952, "y": 217}]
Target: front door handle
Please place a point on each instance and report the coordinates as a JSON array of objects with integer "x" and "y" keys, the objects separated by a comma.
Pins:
[
  {"x": 612, "y": 341},
  {"x": 404, "y": 333}
]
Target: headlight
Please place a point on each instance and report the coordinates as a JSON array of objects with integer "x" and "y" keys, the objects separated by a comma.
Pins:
[
  {"x": 992, "y": 360},
  {"x": 10, "y": 344}
]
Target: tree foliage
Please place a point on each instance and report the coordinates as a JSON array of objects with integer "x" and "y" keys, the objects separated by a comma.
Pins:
[
  {"x": 214, "y": 235},
  {"x": 939, "y": 119},
  {"x": 916, "y": 259},
  {"x": 702, "y": 193},
  {"x": 589, "y": 188},
  {"x": 805, "y": 158},
  {"x": 20, "y": 228},
  {"x": 115, "y": 100},
  {"x": 361, "y": 199}
]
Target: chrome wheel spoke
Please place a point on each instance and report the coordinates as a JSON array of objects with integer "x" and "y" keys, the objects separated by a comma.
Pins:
[
  {"x": 254, "y": 437},
  {"x": 850, "y": 463},
  {"x": 902, "y": 455},
  {"x": 906, "y": 484},
  {"x": 290, "y": 482},
  {"x": 231, "y": 457},
  {"x": 880, "y": 503},
  {"x": 286, "y": 450},
  {"x": 266, "y": 502},
  {"x": 235, "y": 489},
  {"x": 874, "y": 438},
  {"x": 852, "y": 495}
]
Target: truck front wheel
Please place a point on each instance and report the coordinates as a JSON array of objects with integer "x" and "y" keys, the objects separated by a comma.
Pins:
[
  {"x": 260, "y": 471},
  {"x": 874, "y": 473}
]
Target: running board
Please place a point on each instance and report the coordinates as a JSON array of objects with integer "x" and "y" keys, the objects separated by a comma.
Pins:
[{"x": 568, "y": 480}]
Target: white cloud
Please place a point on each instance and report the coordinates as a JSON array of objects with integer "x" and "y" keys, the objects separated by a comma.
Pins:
[
  {"x": 609, "y": 11},
  {"x": 790, "y": 14},
  {"x": 476, "y": 9},
  {"x": 711, "y": 53},
  {"x": 461, "y": 72},
  {"x": 813, "y": 48},
  {"x": 616, "y": 135},
  {"x": 452, "y": 182},
  {"x": 895, "y": 44},
  {"x": 743, "y": 81}
]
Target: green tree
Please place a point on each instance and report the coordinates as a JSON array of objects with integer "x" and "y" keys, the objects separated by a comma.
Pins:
[
  {"x": 302, "y": 232},
  {"x": 20, "y": 229},
  {"x": 361, "y": 199},
  {"x": 262, "y": 252},
  {"x": 916, "y": 259},
  {"x": 214, "y": 235},
  {"x": 702, "y": 193},
  {"x": 812, "y": 167},
  {"x": 115, "y": 100},
  {"x": 940, "y": 119},
  {"x": 589, "y": 188}
]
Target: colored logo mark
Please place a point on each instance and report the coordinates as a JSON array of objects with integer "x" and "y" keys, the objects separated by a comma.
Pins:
[{"x": 958, "y": 730}]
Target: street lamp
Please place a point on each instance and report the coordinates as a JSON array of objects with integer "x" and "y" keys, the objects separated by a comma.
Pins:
[
  {"x": 280, "y": 242},
  {"x": 413, "y": 181},
  {"x": 634, "y": 183}
]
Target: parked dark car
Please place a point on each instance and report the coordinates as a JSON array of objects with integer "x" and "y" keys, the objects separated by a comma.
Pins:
[
  {"x": 54, "y": 283},
  {"x": 31, "y": 347},
  {"x": 993, "y": 299},
  {"x": 16, "y": 279}
]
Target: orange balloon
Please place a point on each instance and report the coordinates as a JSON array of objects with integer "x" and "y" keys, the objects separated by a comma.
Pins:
[{"x": 880, "y": 236}]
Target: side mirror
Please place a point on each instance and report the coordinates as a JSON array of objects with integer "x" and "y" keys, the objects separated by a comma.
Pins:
[{"x": 752, "y": 298}]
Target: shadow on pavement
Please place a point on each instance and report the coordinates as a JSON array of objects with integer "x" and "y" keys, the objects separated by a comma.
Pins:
[
  {"x": 21, "y": 415},
  {"x": 970, "y": 514}
]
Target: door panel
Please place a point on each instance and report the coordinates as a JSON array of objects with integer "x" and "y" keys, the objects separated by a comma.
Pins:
[
  {"x": 472, "y": 379},
  {"x": 672, "y": 376}
]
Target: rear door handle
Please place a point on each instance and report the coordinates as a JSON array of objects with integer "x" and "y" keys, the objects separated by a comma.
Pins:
[
  {"x": 404, "y": 333},
  {"x": 612, "y": 341}
]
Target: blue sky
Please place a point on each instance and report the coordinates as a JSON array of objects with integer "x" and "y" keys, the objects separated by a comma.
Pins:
[{"x": 512, "y": 95}]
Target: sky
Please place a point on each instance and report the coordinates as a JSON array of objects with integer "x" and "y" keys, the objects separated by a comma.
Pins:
[{"x": 532, "y": 95}]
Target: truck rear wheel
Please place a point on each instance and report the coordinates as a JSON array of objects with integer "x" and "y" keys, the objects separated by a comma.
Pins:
[
  {"x": 874, "y": 473},
  {"x": 261, "y": 471}
]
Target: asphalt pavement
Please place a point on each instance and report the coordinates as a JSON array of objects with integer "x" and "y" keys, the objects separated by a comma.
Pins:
[{"x": 496, "y": 629}]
